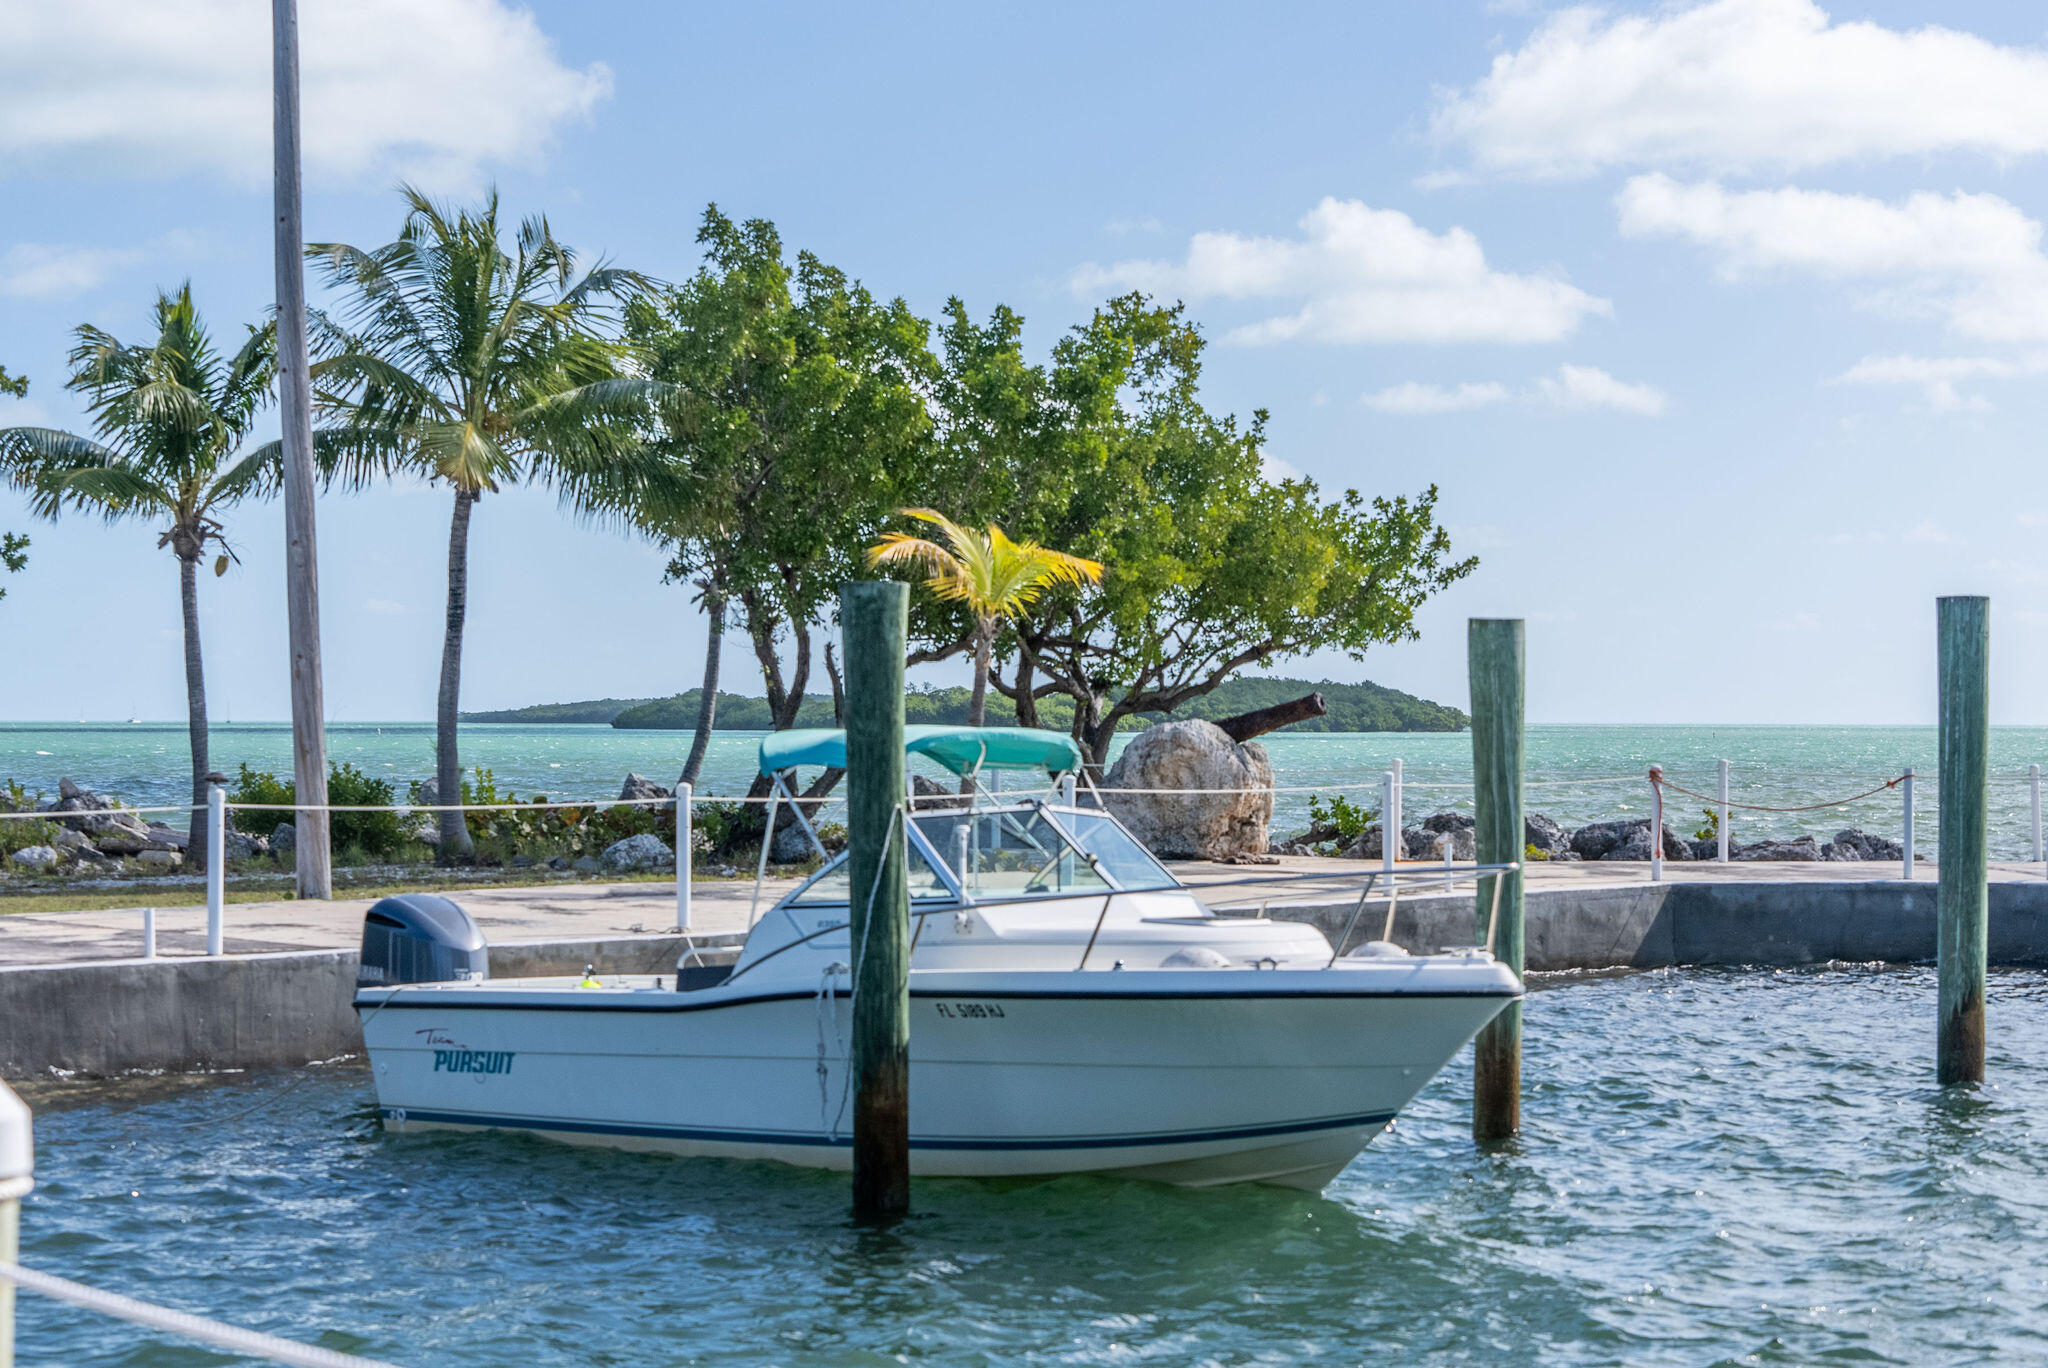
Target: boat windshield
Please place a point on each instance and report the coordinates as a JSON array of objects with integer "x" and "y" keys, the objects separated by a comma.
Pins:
[
  {"x": 1129, "y": 863},
  {"x": 1019, "y": 852},
  {"x": 832, "y": 885},
  {"x": 1010, "y": 852}
]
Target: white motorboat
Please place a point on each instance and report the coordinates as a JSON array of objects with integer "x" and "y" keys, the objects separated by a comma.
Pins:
[{"x": 1074, "y": 1008}]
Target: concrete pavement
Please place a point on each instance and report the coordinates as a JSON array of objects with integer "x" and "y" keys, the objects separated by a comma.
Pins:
[{"x": 582, "y": 911}]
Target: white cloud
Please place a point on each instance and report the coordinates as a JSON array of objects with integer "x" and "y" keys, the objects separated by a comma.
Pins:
[
  {"x": 1589, "y": 387},
  {"x": 1413, "y": 398},
  {"x": 1361, "y": 275},
  {"x": 1928, "y": 534},
  {"x": 1743, "y": 85},
  {"x": 1273, "y": 470},
  {"x": 37, "y": 270},
  {"x": 1938, "y": 376},
  {"x": 1572, "y": 389},
  {"x": 1973, "y": 260},
  {"x": 429, "y": 90}
]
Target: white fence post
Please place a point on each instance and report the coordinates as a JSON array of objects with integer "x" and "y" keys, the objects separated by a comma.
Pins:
[
  {"x": 1394, "y": 803},
  {"x": 1656, "y": 824},
  {"x": 149, "y": 933},
  {"x": 1906, "y": 842},
  {"x": 684, "y": 832},
  {"x": 1724, "y": 813},
  {"x": 17, "y": 1176},
  {"x": 1390, "y": 835},
  {"x": 216, "y": 859},
  {"x": 2034, "y": 797}
]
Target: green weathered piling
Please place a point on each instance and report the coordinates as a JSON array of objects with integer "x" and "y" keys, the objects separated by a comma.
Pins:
[
  {"x": 873, "y": 616},
  {"x": 1494, "y": 651},
  {"x": 1964, "y": 632}
]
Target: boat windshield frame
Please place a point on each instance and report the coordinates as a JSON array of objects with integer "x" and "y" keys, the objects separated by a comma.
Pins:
[{"x": 949, "y": 876}]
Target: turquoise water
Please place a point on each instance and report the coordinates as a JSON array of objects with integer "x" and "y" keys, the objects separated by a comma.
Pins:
[
  {"x": 1568, "y": 766},
  {"x": 1718, "y": 1168}
]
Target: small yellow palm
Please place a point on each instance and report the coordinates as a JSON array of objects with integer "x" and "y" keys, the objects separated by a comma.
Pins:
[{"x": 994, "y": 577}]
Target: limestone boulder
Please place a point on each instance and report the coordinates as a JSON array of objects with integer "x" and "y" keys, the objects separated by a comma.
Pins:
[
  {"x": 242, "y": 846},
  {"x": 1801, "y": 848},
  {"x": 160, "y": 861},
  {"x": 1547, "y": 836},
  {"x": 638, "y": 853},
  {"x": 1230, "y": 821},
  {"x": 1364, "y": 846},
  {"x": 284, "y": 840},
  {"x": 37, "y": 858},
  {"x": 1856, "y": 844},
  {"x": 1634, "y": 842},
  {"x": 640, "y": 787}
]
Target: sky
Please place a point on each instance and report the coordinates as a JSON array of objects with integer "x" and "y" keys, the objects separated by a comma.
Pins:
[{"x": 1721, "y": 327}]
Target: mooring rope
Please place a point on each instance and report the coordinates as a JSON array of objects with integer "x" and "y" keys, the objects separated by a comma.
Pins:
[{"x": 232, "y": 1338}]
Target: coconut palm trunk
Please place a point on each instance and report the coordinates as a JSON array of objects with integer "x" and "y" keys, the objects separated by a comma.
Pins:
[
  {"x": 707, "y": 701},
  {"x": 196, "y": 852},
  {"x": 455, "y": 840},
  {"x": 984, "y": 651}
]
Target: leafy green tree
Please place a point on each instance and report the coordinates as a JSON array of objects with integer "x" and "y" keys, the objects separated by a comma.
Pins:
[
  {"x": 793, "y": 420},
  {"x": 481, "y": 367},
  {"x": 171, "y": 418},
  {"x": 1210, "y": 567}
]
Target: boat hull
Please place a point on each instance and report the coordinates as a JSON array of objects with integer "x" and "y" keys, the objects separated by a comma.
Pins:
[{"x": 1185, "y": 1077}]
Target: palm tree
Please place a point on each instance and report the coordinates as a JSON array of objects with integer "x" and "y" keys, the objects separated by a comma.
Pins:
[
  {"x": 992, "y": 577},
  {"x": 171, "y": 418},
  {"x": 463, "y": 362}
]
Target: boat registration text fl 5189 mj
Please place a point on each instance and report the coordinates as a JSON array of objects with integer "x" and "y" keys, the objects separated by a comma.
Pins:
[{"x": 1074, "y": 1009}]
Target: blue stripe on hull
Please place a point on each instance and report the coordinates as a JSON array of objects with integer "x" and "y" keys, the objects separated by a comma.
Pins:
[{"x": 805, "y": 1138}]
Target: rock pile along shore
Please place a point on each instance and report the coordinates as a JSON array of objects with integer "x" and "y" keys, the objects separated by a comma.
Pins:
[
  {"x": 98, "y": 834},
  {"x": 1544, "y": 839}
]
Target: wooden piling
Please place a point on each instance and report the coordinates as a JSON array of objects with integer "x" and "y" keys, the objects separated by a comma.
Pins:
[
  {"x": 874, "y": 616},
  {"x": 1964, "y": 634},
  {"x": 1494, "y": 651}
]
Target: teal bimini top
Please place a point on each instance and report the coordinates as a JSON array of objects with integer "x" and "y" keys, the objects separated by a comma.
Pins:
[{"x": 962, "y": 750}]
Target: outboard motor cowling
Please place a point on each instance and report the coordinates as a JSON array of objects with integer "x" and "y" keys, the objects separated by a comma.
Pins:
[{"x": 420, "y": 938}]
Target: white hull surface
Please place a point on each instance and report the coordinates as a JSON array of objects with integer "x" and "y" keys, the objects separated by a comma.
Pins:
[{"x": 1188, "y": 1076}]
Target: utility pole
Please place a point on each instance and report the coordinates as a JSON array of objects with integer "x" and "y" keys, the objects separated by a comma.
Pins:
[{"x": 295, "y": 403}]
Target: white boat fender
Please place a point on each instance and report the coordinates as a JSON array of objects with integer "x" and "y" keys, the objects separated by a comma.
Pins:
[
  {"x": 1196, "y": 957},
  {"x": 1378, "y": 949}
]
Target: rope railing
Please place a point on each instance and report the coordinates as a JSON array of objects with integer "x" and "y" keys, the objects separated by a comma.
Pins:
[
  {"x": 185, "y": 1325},
  {"x": 1657, "y": 779}
]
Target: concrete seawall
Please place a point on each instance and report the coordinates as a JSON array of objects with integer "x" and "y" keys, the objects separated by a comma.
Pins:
[
  {"x": 1658, "y": 925},
  {"x": 240, "y": 1011},
  {"x": 265, "y": 1010}
]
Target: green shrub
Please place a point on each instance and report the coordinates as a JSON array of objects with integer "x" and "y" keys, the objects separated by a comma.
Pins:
[
  {"x": 1531, "y": 852},
  {"x": 1710, "y": 828},
  {"x": 258, "y": 786},
  {"x": 1349, "y": 818},
  {"x": 355, "y": 835},
  {"x": 20, "y": 835}
]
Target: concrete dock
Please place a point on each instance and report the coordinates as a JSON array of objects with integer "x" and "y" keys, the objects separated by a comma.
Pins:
[{"x": 75, "y": 996}]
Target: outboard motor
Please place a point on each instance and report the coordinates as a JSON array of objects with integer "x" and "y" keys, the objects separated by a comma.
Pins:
[{"x": 420, "y": 938}]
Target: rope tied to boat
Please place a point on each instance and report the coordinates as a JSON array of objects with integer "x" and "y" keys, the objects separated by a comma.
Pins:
[
  {"x": 828, "y": 1009},
  {"x": 1657, "y": 780}
]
